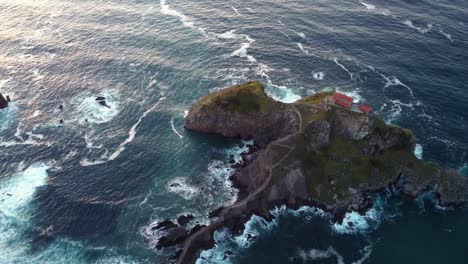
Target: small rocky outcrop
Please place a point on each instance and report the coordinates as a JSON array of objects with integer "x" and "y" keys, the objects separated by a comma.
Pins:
[
  {"x": 184, "y": 219},
  {"x": 102, "y": 101},
  {"x": 4, "y": 101},
  {"x": 173, "y": 237},
  {"x": 312, "y": 152}
]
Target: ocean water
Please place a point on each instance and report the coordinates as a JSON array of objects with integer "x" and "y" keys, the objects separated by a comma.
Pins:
[{"x": 89, "y": 190}]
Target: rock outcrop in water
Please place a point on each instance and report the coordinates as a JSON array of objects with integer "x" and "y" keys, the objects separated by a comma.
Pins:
[
  {"x": 312, "y": 153},
  {"x": 4, "y": 101},
  {"x": 102, "y": 101}
]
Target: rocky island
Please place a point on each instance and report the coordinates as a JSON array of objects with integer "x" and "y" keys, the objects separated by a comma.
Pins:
[{"x": 311, "y": 152}]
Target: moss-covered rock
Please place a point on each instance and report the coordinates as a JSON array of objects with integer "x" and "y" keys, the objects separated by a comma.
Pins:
[{"x": 245, "y": 98}]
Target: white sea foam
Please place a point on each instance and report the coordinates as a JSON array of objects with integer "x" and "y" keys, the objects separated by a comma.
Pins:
[
  {"x": 85, "y": 107},
  {"x": 421, "y": 30},
  {"x": 255, "y": 227},
  {"x": 16, "y": 211},
  {"x": 4, "y": 82},
  {"x": 302, "y": 48},
  {"x": 353, "y": 94},
  {"x": 131, "y": 136},
  {"x": 90, "y": 144},
  {"x": 132, "y": 133},
  {"x": 32, "y": 139},
  {"x": 167, "y": 10},
  {"x": 17, "y": 191},
  {"x": 243, "y": 51},
  {"x": 351, "y": 75},
  {"x": 354, "y": 223},
  {"x": 182, "y": 188},
  {"x": 185, "y": 113},
  {"x": 394, "y": 81},
  {"x": 366, "y": 253},
  {"x": 7, "y": 116},
  {"x": 235, "y": 10},
  {"x": 318, "y": 254},
  {"x": 278, "y": 92},
  {"x": 394, "y": 109},
  {"x": 101, "y": 160},
  {"x": 318, "y": 75},
  {"x": 448, "y": 36},
  {"x": 228, "y": 35},
  {"x": 174, "y": 128},
  {"x": 117, "y": 260},
  {"x": 368, "y": 6},
  {"x": 418, "y": 151},
  {"x": 282, "y": 93}
]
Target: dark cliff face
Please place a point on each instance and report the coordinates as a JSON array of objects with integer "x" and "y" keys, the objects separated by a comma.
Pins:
[
  {"x": 243, "y": 111},
  {"x": 315, "y": 153}
]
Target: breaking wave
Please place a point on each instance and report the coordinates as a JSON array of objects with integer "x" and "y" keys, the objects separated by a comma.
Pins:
[
  {"x": 243, "y": 50},
  {"x": 184, "y": 189},
  {"x": 418, "y": 151}
]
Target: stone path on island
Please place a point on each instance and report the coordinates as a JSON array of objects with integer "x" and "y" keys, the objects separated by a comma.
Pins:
[
  {"x": 220, "y": 220},
  {"x": 300, "y": 116}
]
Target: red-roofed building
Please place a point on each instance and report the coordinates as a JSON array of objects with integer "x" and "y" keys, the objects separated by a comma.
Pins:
[
  {"x": 365, "y": 108},
  {"x": 343, "y": 100}
]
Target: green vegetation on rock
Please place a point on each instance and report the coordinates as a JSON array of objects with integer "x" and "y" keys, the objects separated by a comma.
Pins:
[{"x": 249, "y": 97}]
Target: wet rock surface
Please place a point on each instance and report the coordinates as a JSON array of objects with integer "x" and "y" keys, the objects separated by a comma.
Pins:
[
  {"x": 102, "y": 101},
  {"x": 184, "y": 219},
  {"x": 4, "y": 101},
  {"x": 173, "y": 237}
]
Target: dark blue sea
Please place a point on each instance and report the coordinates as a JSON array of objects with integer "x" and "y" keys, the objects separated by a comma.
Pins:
[{"x": 88, "y": 190}]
